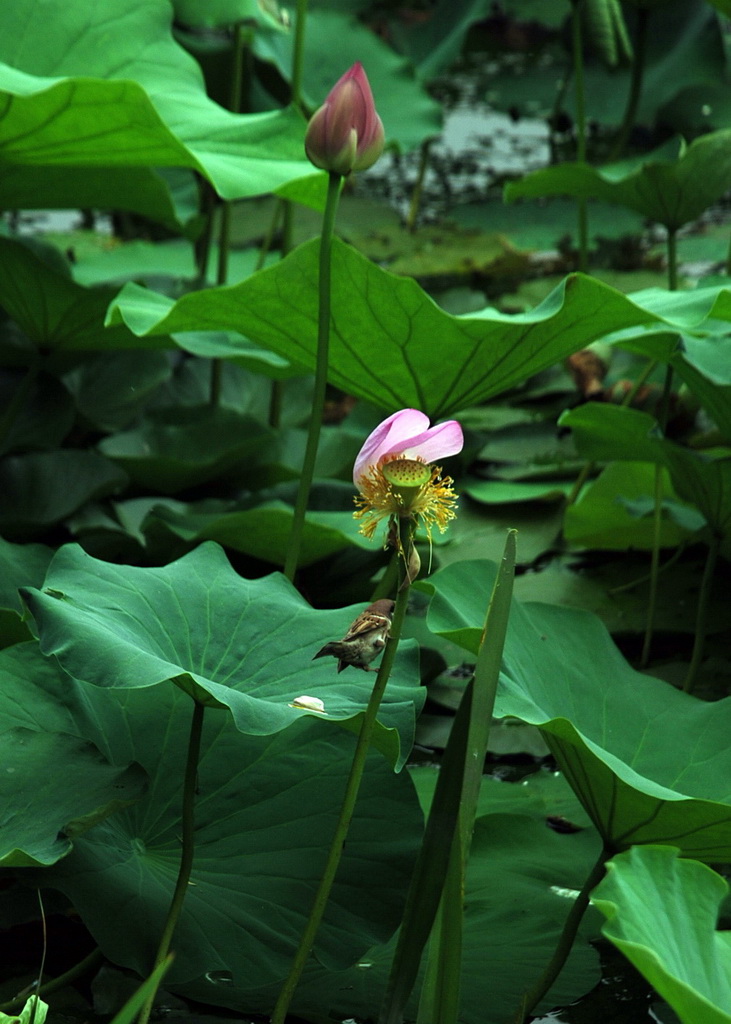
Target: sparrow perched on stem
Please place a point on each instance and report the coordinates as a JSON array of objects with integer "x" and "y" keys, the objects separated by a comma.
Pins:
[{"x": 364, "y": 640}]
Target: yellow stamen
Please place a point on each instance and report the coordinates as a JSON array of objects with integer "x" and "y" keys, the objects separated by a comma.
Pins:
[{"x": 432, "y": 504}]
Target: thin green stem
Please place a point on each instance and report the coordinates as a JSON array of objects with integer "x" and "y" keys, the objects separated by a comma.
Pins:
[
  {"x": 635, "y": 88},
  {"x": 588, "y": 468},
  {"x": 224, "y": 227},
  {"x": 349, "y": 799},
  {"x": 662, "y": 417},
  {"x": 203, "y": 242},
  {"x": 578, "y": 58},
  {"x": 701, "y": 620},
  {"x": 624, "y": 587},
  {"x": 415, "y": 203},
  {"x": 187, "y": 848},
  {"x": 285, "y": 208},
  {"x": 387, "y": 583},
  {"x": 672, "y": 253},
  {"x": 266, "y": 243},
  {"x": 566, "y": 940},
  {"x": 321, "y": 368},
  {"x": 298, "y": 53}
]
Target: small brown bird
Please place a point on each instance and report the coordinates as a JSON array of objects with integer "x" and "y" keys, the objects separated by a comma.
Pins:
[{"x": 365, "y": 639}]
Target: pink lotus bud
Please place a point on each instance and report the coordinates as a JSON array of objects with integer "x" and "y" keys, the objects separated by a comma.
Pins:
[{"x": 346, "y": 134}]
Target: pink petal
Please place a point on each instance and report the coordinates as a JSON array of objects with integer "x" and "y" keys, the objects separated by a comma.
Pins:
[
  {"x": 437, "y": 443},
  {"x": 397, "y": 429},
  {"x": 408, "y": 433}
]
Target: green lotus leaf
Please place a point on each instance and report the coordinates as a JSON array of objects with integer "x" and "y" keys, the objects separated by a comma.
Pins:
[
  {"x": 63, "y": 314},
  {"x": 382, "y": 345},
  {"x": 73, "y": 788},
  {"x": 515, "y": 861},
  {"x": 245, "y": 645},
  {"x": 266, "y": 808},
  {"x": 39, "y": 489},
  {"x": 180, "y": 447},
  {"x": 109, "y": 87},
  {"x": 262, "y": 532},
  {"x": 671, "y": 188},
  {"x": 684, "y": 958},
  {"x": 649, "y": 763},
  {"x": 616, "y": 432},
  {"x": 21, "y": 565}
]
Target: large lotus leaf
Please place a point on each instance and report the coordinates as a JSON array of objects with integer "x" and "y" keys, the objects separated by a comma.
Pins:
[
  {"x": 53, "y": 310},
  {"x": 702, "y": 361},
  {"x": 334, "y": 40},
  {"x": 140, "y": 190},
  {"x": 434, "y": 41},
  {"x": 670, "y": 191},
  {"x": 42, "y": 488},
  {"x": 245, "y": 645},
  {"x": 21, "y": 565},
  {"x": 262, "y": 532},
  {"x": 661, "y": 913},
  {"x": 40, "y": 411},
  {"x": 111, "y": 388},
  {"x": 649, "y": 763},
  {"x": 139, "y": 99},
  {"x": 521, "y": 879},
  {"x": 616, "y": 432},
  {"x": 390, "y": 343},
  {"x": 224, "y": 13},
  {"x": 180, "y": 447},
  {"x": 73, "y": 788},
  {"x": 265, "y": 810},
  {"x": 606, "y": 515}
]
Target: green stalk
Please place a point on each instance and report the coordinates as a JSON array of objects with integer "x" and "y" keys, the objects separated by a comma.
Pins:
[
  {"x": 565, "y": 942},
  {"x": 437, "y": 883},
  {"x": 321, "y": 368},
  {"x": 635, "y": 89},
  {"x": 224, "y": 233},
  {"x": 663, "y": 413},
  {"x": 349, "y": 799},
  {"x": 701, "y": 621},
  {"x": 588, "y": 468},
  {"x": 285, "y": 207},
  {"x": 578, "y": 56},
  {"x": 672, "y": 254},
  {"x": 298, "y": 53},
  {"x": 186, "y": 852},
  {"x": 418, "y": 186}
]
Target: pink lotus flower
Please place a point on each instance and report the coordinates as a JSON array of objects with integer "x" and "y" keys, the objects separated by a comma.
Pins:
[
  {"x": 394, "y": 475},
  {"x": 407, "y": 435},
  {"x": 346, "y": 134}
]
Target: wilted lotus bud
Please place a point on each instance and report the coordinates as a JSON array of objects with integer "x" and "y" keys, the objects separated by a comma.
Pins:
[{"x": 346, "y": 134}]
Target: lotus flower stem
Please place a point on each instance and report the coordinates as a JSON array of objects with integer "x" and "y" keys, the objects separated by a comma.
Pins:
[
  {"x": 187, "y": 848},
  {"x": 224, "y": 229},
  {"x": 635, "y": 88},
  {"x": 578, "y": 56},
  {"x": 351, "y": 794},
  {"x": 566, "y": 940},
  {"x": 321, "y": 366},
  {"x": 701, "y": 622},
  {"x": 657, "y": 525}
]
